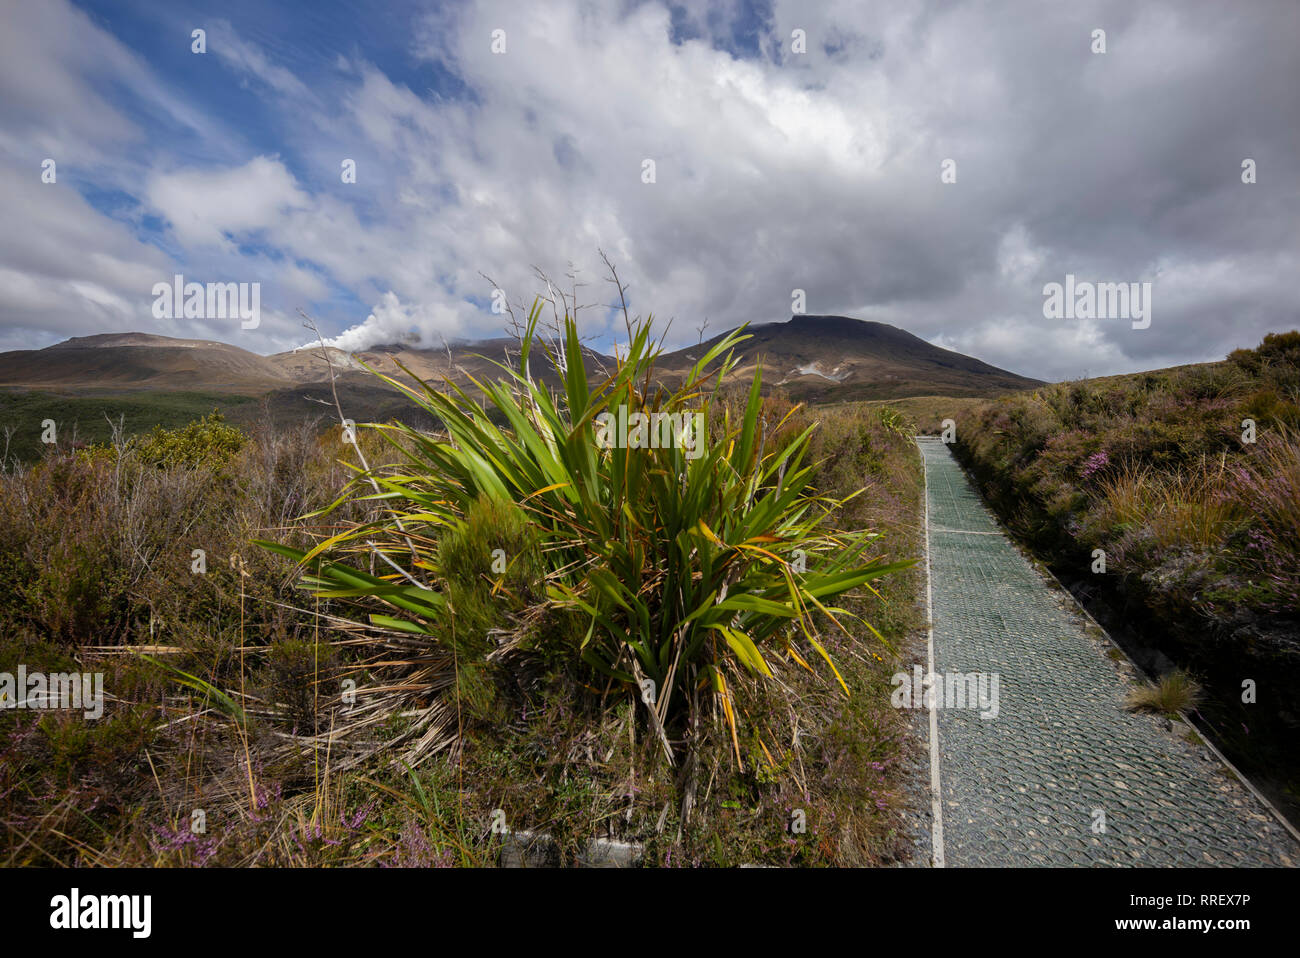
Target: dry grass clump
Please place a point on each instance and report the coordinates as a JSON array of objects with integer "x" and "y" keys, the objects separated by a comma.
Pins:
[
  {"x": 1193, "y": 509},
  {"x": 1175, "y": 691}
]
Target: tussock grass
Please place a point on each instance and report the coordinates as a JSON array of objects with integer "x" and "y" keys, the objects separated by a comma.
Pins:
[
  {"x": 1192, "y": 509},
  {"x": 1175, "y": 691}
]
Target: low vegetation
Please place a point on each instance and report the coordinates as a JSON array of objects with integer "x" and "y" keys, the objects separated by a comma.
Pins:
[
  {"x": 1188, "y": 479},
  {"x": 84, "y": 420},
  {"x": 421, "y": 698}
]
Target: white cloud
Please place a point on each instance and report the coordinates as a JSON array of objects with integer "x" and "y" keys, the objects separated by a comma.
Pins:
[
  {"x": 818, "y": 171},
  {"x": 203, "y": 206},
  {"x": 249, "y": 60}
]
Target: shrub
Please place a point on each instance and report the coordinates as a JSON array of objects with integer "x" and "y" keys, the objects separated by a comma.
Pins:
[
  {"x": 1281, "y": 348},
  {"x": 1266, "y": 407},
  {"x": 1154, "y": 470},
  {"x": 296, "y": 669},
  {"x": 205, "y": 442},
  {"x": 493, "y": 550}
]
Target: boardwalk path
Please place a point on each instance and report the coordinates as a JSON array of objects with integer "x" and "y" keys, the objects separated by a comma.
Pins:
[{"x": 1024, "y": 788}]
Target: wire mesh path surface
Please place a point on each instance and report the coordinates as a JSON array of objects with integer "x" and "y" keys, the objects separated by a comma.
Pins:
[{"x": 1059, "y": 773}]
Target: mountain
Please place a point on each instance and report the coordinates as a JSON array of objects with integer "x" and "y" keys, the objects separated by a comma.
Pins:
[
  {"x": 151, "y": 379},
  {"x": 117, "y": 361},
  {"x": 837, "y": 358}
]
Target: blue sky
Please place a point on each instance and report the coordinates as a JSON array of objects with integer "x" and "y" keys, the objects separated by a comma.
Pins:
[{"x": 775, "y": 170}]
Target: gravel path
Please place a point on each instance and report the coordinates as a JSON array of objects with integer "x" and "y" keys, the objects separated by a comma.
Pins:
[{"x": 1062, "y": 775}]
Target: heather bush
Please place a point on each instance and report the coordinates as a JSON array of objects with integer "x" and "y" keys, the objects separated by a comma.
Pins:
[
  {"x": 101, "y": 542},
  {"x": 1152, "y": 468}
]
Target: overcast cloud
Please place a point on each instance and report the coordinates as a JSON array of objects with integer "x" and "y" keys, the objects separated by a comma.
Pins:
[{"x": 774, "y": 170}]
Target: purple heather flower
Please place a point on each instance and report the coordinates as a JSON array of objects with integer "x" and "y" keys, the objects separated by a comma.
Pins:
[{"x": 1098, "y": 460}]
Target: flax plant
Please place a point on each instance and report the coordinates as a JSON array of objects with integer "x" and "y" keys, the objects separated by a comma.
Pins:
[{"x": 682, "y": 564}]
